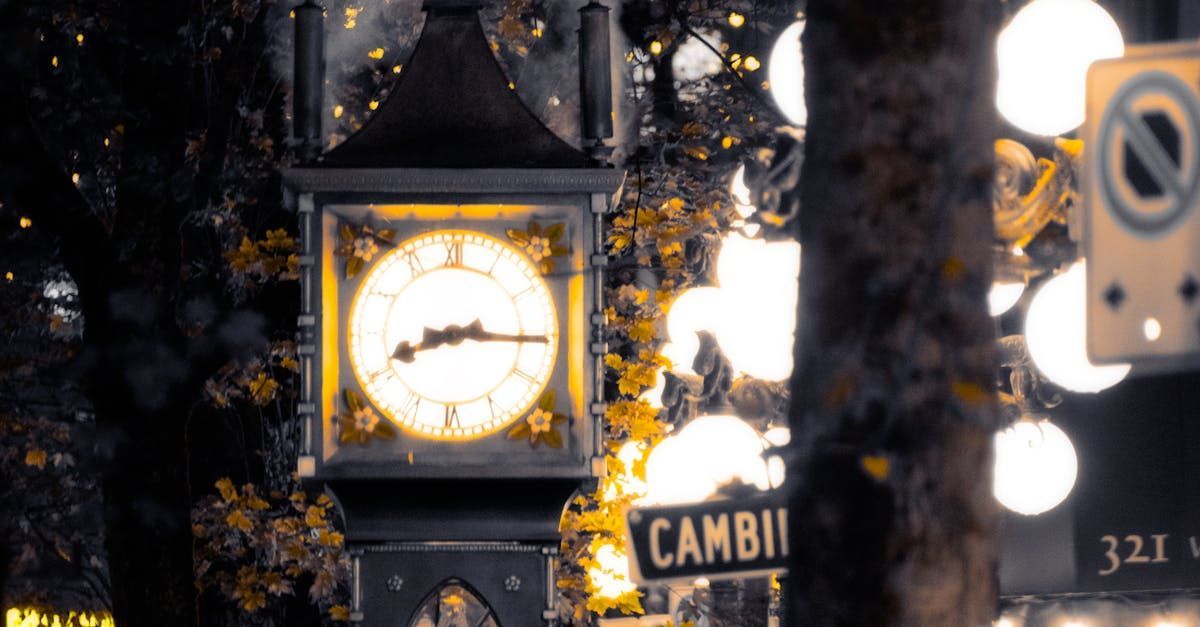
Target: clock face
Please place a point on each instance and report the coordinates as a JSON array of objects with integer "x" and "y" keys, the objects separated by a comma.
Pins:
[{"x": 453, "y": 334}]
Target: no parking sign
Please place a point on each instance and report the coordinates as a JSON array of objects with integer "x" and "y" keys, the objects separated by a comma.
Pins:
[{"x": 1141, "y": 189}]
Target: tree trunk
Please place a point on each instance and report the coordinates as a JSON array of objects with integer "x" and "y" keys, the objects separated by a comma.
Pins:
[{"x": 893, "y": 396}]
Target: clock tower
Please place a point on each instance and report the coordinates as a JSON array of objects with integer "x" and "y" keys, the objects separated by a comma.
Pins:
[{"x": 452, "y": 325}]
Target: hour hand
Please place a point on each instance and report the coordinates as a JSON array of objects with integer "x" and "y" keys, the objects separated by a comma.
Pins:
[{"x": 453, "y": 335}]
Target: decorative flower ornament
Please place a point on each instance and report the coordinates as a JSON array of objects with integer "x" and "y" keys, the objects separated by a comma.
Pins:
[
  {"x": 365, "y": 419},
  {"x": 540, "y": 420},
  {"x": 359, "y": 422},
  {"x": 541, "y": 244},
  {"x": 540, "y": 424},
  {"x": 365, "y": 248},
  {"x": 360, "y": 244}
]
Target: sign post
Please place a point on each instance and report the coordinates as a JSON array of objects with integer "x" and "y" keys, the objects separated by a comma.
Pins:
[
  {"x": 740, "y": 537},
  {"x": 1141, "y": 187}
]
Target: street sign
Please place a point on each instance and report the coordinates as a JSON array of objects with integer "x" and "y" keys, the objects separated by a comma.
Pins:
[
  {"x": 739, "y": 537},
  {"x": 1141, "y": 188}
]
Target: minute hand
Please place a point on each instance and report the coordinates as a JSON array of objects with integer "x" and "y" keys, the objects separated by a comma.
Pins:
[{"x": 453, "y": 335}]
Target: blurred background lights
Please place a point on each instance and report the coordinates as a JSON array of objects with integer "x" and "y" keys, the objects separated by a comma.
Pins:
[
  {"x": 709, "y": 452},
  {"x": 1055, "y": 334},
  {"x": 1035, "y": 467},
  {"x": 694, "y": 60},
  {"x": 740, "y": 193},
  {"x": 752, "y": 313},
  {"x": 1003, "y": 295},
  {"x": 785, "y": 71},
  {"x": 610, "y": 574},
  {"x": 1043, "y": 55},
  {"x": 759, "y": 292},
  {"x": 627, "y": 482},
  {"x": 693, "y": 311},
  {"x": 778, "y": 436}
]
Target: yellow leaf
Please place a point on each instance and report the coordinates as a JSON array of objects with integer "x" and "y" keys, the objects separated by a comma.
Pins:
[
  {"x": 618, "y": 241},
  {"x": 636, "y": 377},
  {"x": 642, "y": 331},
  {"x": 262, "y": 389},
  {"x": 329, "y": 538},
  {"x": 339, "y": 612},
  {"x": 953, "y": 268},
  {"x": 970, "y": 393},
  {"x": 614, "y": 361},
  {"x": 35, "y": 457},
  {"x": 314, "y": 516},
  {"x": 225, "y": 487},
  {"x": 877, "y": 466},
  {"x": 238, "y": 520}
]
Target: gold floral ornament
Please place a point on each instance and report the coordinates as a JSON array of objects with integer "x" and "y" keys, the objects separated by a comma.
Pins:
[
  {"x": 541, "y": 244},
  {"x": 359, "y": 422},
  {"x": 541, "y": 424},
  {"x": 359, "y": 245}
]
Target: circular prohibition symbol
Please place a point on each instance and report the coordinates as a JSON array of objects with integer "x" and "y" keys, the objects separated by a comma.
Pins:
[{"x": 1149, "y": 145}]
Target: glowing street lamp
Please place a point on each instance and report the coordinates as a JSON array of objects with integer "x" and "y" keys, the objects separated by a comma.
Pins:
[
  {"x": 1035, "y": 467},
  {"x": 1056, "y": 336},
  {"x": 1043, "y": 57},
  {"x": 785, "y": 70},
  {"x": 709, "y": 452}
]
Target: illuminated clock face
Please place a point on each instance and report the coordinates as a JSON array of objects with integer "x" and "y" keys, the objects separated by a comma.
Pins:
[{"x": 453, "y": 334}]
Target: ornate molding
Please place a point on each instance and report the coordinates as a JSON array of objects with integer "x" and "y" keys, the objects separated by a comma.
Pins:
[
  {"x": 448, "y": 181},
  {"x": 1029, "y": 193},
  {"x": 452, "y": 547}
]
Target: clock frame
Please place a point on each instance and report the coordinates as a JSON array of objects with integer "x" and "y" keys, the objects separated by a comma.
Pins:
[{"x": 413, "y": 204}]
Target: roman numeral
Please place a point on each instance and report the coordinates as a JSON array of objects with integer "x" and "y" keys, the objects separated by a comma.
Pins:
[
  {"x": 414, "y": 262},
  {"x": 454, "y": 253},
  {"x": 495, "y": 262},
  {"x": 452, "y": 419},
  {"x": 525, "y": 292},
  {"x": 492, "y": 406},
  {"x": 408, "y": 409},
  {"x": 524, "y": 375}
]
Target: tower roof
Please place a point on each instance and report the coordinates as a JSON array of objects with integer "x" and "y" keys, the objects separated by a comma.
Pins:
[{"x": 453, "y": 108}]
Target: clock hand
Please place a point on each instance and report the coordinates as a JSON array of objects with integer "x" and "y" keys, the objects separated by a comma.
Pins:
[{"x": 453, "y": 335}]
